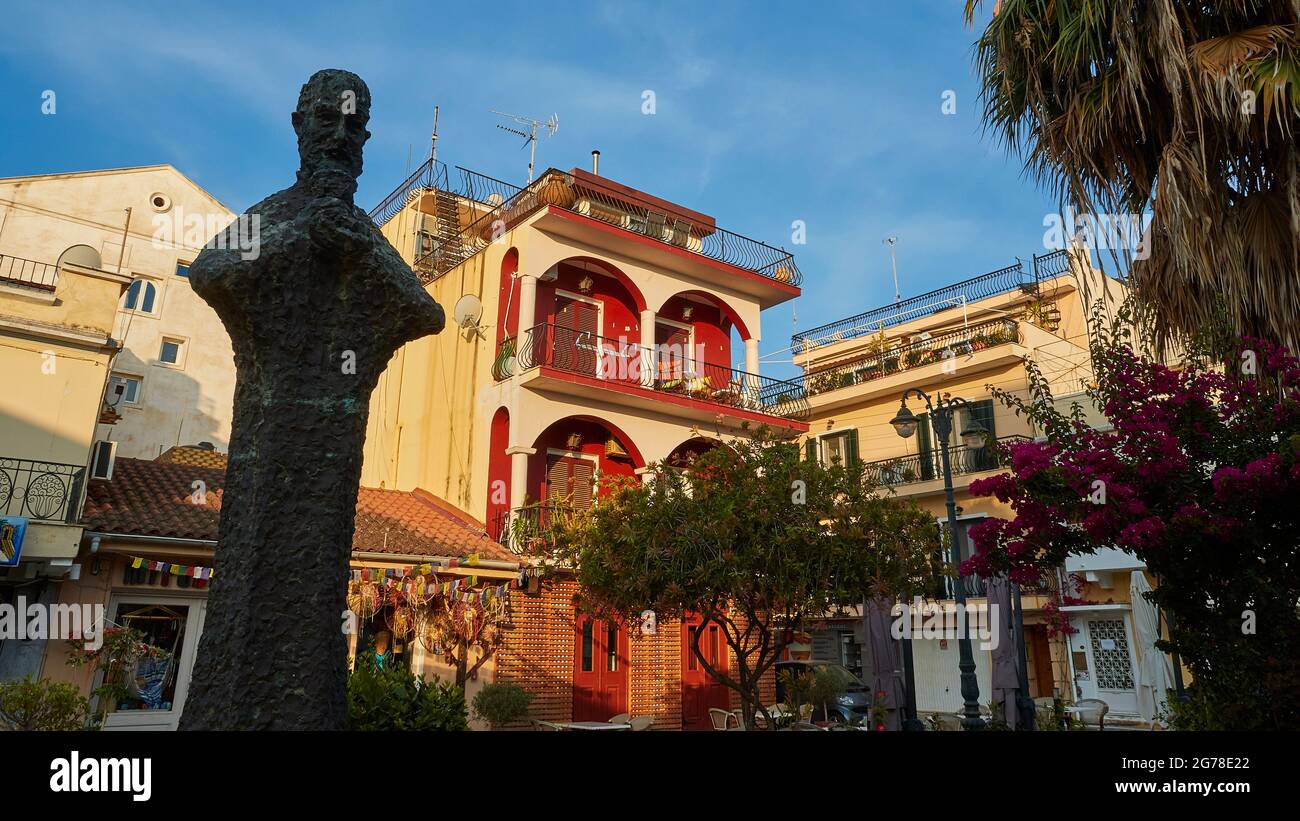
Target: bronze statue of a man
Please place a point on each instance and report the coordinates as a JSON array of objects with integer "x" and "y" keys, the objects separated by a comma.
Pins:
[{"x": 314, "y": 315}]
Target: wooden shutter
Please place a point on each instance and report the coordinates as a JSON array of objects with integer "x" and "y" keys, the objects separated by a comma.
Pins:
[
  {"x": 568, "y": 482},
  {"x": 924, "y": 447},
  {"x": 674, "y": 346},
  {"x": 577, "y": 335},
  {"x": 982, "y": 412},
  {"x": 851, "y": 448}
]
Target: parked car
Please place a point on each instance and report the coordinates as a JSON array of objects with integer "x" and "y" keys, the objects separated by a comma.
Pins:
[{"x": 853, "y": 707}]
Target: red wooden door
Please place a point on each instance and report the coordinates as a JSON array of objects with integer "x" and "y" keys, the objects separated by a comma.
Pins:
[
  {"x": 701, "y": 691},
  {"x": 599, "y": 670},
  {"x": 673, "y": 349},
  {"x": 576, "y": 346}
]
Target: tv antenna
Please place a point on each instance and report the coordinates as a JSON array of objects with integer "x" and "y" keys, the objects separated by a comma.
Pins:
[
  {"x": 530, "y": 137},
  {"x": 893, "y": 261}
]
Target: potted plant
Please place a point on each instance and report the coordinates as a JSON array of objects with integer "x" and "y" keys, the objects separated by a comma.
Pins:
[{"x": 500, "y": 704}]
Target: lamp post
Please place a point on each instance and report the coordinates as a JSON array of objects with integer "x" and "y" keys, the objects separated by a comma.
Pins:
[{"x": 941, "y": 416}]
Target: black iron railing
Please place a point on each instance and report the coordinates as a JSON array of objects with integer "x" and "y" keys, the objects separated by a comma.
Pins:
[
  {"x": 665, "y": 369},
  {"x": 922, "y": 467},
  {"x": 890, "y": 357},
  {"x": 523, "y": 529},
  {"x": 27, "y": 273},
  {"x": 1051, "y": 264},
  {"x": 50, "y": 491},
  {"x": 481, "y": 209},
  {"x": 1001, "y": 281}
]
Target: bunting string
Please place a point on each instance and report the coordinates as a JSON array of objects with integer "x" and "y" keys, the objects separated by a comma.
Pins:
[{"x": 192, "y": 571}]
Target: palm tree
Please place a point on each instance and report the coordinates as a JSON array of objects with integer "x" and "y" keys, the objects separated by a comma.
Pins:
[{"x": 1183, "y": 110}]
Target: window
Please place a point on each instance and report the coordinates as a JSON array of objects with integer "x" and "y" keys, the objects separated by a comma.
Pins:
[
  {"x": 839, "y": 448},
  {"x": 130, "y": 389},
  {"x": 102, "y": 455},
  {"x": 150, "y": 684},
  {"x": 141, "y": 296},
  {"x": 182, "y": 269},
  {"x": 172, "y": 352}
]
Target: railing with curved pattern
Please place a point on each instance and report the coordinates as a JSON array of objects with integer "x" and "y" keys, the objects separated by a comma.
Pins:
[
  {"x": 49, "y": 491},
  {"x": 495, "y": 206},
  {"x": 937, "y": 348},
  {"x": 1001, "y": 281},
  {"x": 903, "y": 470},
  {"x": 665, "y": 370}
]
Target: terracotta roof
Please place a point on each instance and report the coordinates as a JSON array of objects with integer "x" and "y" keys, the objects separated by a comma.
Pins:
[
  {"x": 153, "y": 498},
  {"x": 192, "y": 455}
]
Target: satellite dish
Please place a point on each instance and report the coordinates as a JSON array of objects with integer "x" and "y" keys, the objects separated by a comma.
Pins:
[{"x": 467, "y": 313}]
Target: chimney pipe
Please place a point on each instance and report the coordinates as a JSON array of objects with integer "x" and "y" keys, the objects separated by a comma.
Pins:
[{"x": 595, "y": 162}]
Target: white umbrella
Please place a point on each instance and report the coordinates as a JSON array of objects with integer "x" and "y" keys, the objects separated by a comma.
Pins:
[{"x": 1155, "y": 673}]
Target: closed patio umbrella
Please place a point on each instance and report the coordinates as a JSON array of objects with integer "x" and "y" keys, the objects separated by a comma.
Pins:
[
  {"x": 1155, "y": 674},
  {"x": 888, "y": 674},
  {"x": 1005, "y": 678}
]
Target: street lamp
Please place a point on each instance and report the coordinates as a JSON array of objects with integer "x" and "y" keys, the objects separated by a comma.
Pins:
[{"x": 972, "y": 436}]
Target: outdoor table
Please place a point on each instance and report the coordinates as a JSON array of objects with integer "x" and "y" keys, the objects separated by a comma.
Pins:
[{"x": 593, "y": 725}]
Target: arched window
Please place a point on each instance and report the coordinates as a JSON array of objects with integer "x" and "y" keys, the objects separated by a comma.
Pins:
[{"x": 142, "y": 296}]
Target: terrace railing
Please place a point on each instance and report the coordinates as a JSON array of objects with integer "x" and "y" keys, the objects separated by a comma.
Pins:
[
  {"x": 881, "y": 363},
  {"x": 475, "y": 209},
  {"x": 1001, "y": 281},
  {"x": 49, "y": 491},
  {"x": 28, "y": 274},
  {"x": 618, "y": 362},
  {"x": 923, "y": 467}
]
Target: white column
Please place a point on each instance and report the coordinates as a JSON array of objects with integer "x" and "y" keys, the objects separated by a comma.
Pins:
[
  {"x": 751, "y": 367},
  {"x": 527, "y": 302},
  {"x": 647, "y": 348},
  {"x": 518, "y": 479}
]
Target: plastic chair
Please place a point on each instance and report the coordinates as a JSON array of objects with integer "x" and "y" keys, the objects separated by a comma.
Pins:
[
  {"x": 948, "y": 722},
  {"x": 621, "y": 718},
  {"x": 722, "y": 719},
  {"x": 545, "y": 726},
  {"x": 641, "y": 723}
]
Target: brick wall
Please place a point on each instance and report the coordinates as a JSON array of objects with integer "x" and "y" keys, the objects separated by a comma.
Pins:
[{"x": 537, "y": 654}]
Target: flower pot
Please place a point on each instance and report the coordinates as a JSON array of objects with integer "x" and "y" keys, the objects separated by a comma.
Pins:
[{"x": 555, "y": 191}]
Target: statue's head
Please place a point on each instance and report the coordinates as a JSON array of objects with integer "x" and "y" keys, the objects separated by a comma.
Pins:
[{"x": 333, "y": 109}]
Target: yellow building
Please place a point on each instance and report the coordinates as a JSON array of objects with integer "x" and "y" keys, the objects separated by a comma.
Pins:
[
  {"x": 175, "y": 372},
  {"x": 56, "y": 345},
  {"x": 957, "y": 342},
  {"x": 598, "y": 329}
]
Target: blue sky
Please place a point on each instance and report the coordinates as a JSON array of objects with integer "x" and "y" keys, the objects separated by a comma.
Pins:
[{"x": 766, "y": 113}]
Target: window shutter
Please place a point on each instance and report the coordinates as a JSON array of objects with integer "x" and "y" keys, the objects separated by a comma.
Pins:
[
  {"x": 982, "y": 412},
  {"x": 851, "y": 448},
  {"x": 924, "y": 449},
  {"x": 810, "y": 449},
  {"x": 584, "y": 474}
]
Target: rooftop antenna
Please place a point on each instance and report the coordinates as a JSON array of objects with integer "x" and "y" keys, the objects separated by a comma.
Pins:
[
  {"x": 530, "y": 137},
  {"x": 893, "y": 261},
  {"x": 433, "y": 140}
]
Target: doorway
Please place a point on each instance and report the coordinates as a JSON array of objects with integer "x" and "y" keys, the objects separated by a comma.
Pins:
[
  {"x": 1101, "y": 653},
  {"x": 701, "y": 691},
  {"x": 599, "y": 669}
]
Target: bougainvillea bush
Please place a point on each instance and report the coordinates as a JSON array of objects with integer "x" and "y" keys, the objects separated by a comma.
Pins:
[{"x": 1199, "y": 477}]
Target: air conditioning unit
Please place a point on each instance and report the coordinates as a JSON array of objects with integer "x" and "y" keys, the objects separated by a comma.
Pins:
[
  {"x": 102, "y": 455},
  {"x": 924, "y": 336}
]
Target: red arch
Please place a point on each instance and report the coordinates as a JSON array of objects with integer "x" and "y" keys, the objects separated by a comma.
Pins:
[
  {"x": 727, "y": 310},
  {"x": 637, "y": 297},
  {"x": 632, "y": 450},
  {"x": 508, "y": 317}
]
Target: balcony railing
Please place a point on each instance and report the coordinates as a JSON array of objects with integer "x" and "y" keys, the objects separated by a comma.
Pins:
[
  {"x": 664, "y": 370},
  {"x": 923, "y": 467},
  {"x": 466, "y": 229},
  {"x": 877, "y": 364},
  {"x": 26, "y": 273},
  {"x": 50, "y": 491},
  {"x": 522, "y": 530},
  {"x": 1001, "y": 281}
]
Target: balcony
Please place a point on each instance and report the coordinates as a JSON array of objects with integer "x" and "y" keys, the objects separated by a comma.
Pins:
[
  {"x": 25, "y": 273},
  {"x": 905, "y": 470},
  {"x": 885, "y": 360},
  {"x": 471, "y": 214},
  {"x": 44, "y": 491},
  {"x": 637, "y": 374},
  {"x": 522, "y": 530}
]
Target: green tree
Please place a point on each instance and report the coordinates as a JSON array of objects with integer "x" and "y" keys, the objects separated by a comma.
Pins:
[
  {"x": 43, "y": 705},
  {"x": 1183, "y": 110},
  {"x": 751, "y": 538}
]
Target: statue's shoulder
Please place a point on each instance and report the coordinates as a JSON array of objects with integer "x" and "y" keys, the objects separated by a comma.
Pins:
[{"x": 282, "y": 205}]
